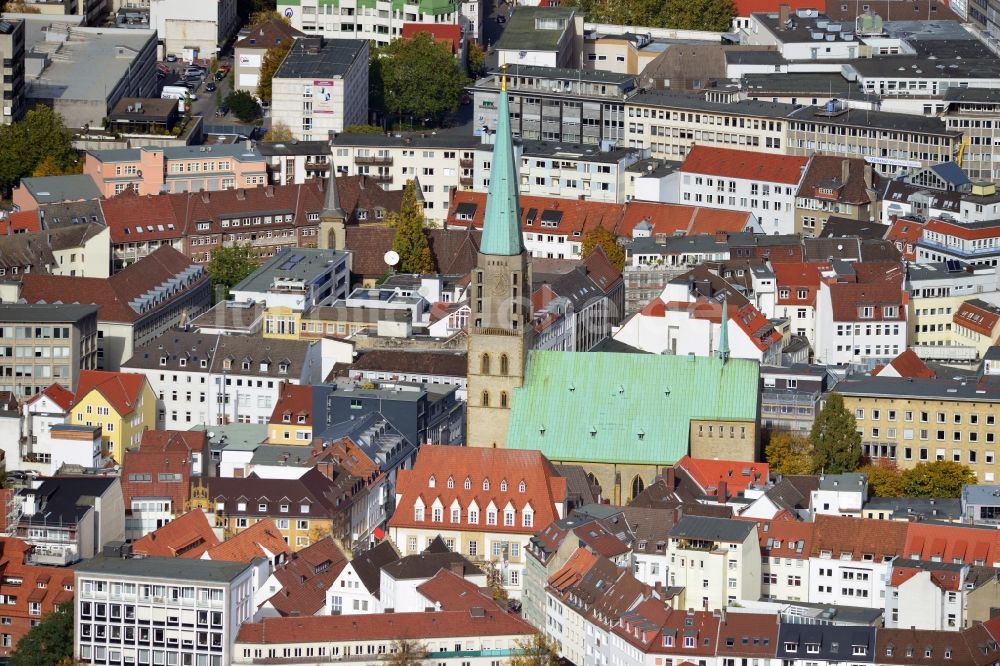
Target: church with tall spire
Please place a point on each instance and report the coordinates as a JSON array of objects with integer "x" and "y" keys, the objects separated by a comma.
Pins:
[
  {"x": 332, "y": 219},
  {"x": 500, "y": 298}
]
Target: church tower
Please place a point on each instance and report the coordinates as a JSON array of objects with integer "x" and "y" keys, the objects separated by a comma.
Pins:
[
  {"x": 332, "y": 219},
  {"x": 500, "y": 299}
]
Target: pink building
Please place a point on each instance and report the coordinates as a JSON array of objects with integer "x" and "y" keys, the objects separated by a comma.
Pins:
[
  {"x": 35, "y": 192},
  {"x": 154, "y": 170}
]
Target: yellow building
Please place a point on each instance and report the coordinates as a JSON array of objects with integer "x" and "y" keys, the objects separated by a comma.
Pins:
[
  {"x": 909, "y": 421},
  {"x": 329, "y": 320},
  {"x": 123, "y": 404},
  {"x": 291, "y": 421}
]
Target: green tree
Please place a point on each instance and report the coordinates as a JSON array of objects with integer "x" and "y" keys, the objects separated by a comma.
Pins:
[
  {"x": 789, "y": 454},
  {"x": 476, "y": 58},
  {"x": 279, "y": 132},
  {"x": 362, "y": 129},
  {"x": 49, "y": 642},
  {"x": 884, "y": 480},
  {"x": 228, "y": 266},
  {"x": 535, "y": 651},
  {"x": 835, "y": 439},
  {"x": 264, "y": 15},
  {"x": 599, "y": 236},
  {"x": 711, "y": 15},
  {"x": 404, "y": 652},
  {"x": 940, "y": 478},
  {"x": 419, "y": 76},
  {"x": 410, "y": 241},
  {"x": 47, "y": 167},
  {"x": 243, "y": 105},
  {"x": 269, "y": 65},
  {"x": 494, "y": 581},
  {"x": 39, "y": 137}
]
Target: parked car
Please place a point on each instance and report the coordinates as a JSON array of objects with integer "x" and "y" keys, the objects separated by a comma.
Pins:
[
  {"x": 210, "y": 87},
  {"x": 221, "y": 111},
  {"x": 171, "y": 57}
]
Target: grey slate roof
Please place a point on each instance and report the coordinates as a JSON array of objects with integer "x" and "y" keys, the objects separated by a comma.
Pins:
[
  {"x": 836, "y": 643},
  {"x": 712, "y": 529},
  {"x": 53, "y": 189},
  {"x": 44, "y": 313},
  {"x": 333, "y": 59},
  {"x": 902, "y": 387},
  {"x": 842, "y": 482},
  {"x": 170, "y": 568},
  {"x": 295, "y": 264}
]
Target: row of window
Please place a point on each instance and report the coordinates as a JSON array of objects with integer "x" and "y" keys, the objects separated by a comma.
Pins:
[{"x": 924, "y": 417}]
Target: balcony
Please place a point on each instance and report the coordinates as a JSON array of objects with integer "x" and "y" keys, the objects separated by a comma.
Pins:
[
  {"x": 317, "y": 166},
  {"x": 466, "y": 163},
  {"x": 465, "y": 181},
  {"x": 47, "y": 555},
  {"x": 381, "y": 178},
  {"x": 369, "y": 159}
]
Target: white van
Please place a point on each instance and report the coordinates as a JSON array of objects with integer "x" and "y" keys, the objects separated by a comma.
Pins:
[{"x": 177, "y": 92}]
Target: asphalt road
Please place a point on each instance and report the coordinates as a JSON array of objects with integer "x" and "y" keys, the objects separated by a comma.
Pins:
[{"x": 206, "y": 104}]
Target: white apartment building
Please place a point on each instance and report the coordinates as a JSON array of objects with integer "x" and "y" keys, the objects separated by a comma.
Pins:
[
  {"x": 926, "y": 595},
  {"x": 839, "y": 494},
  {"x": 927, "y": 194},
  {"x": 298, "y": 279},
  {"x": 860, "y": 322},
  {"x": 44, "y": 410},
  {"x": 565, "y": 170},
  {"x": 211, "y": 379},
  {"x": 731, "y": 179},
  {"x": 670, "y": 123},
  {"x": 192, "y": 31},
  {"x": 439, "y": 163},
  {"x": 850, "y": 560},
  {"x": 380, "y": 22},
  {"x": 716, "y": 560},
  {"x": 321, "y": 87},
  {"x": 160, "y": 610},
  {"x": 803, "y": 35},
  {"x": 785, "y": 547}
]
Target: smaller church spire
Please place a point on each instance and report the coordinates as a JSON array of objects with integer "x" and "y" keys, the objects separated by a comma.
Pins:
[
  {"x": 723, "y": 350},
  {"x": 331, "y": 202}
]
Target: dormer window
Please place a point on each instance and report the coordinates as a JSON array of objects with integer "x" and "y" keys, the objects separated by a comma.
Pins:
[
  {"x": 286, "y": 418},
  {"x": 503, "y": 486},
  {"x": 227, "y": 364},
  {"x": 451, "y": 482},
  {"x": 468, "y": 483},
  {"x": 486, "y": 484},
  {"x": 418, "y": 513},
  {"x": 283, "y": 368},
  {"x": 521, "y": 487},
  {"x": 432, "y": 482},
  {"x": 302, "y": 418},
  {"x": 203, "y": 363},
  {"x": 182, "y": 362},
  {"x": 264, "y": 365},
  {"x": 246, "y": 365},
  {"x": 163, "y": 360}
]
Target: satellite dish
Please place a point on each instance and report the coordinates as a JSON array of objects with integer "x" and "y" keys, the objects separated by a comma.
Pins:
[{"x": 391, "y": 257}]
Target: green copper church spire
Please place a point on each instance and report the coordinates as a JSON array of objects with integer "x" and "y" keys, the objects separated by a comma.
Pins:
[{"x": 502, "y": 224}]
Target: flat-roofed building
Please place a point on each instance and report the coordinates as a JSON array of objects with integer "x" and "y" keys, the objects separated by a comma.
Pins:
[
  {"x": 321, "y": 87},
  {"x": 42, "y": 344},
  {"x": 12, "y": 66}
]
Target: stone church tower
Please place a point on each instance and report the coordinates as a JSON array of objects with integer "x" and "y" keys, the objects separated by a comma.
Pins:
[
  {"x": 500, "y": 298},
  {"x": 332, "y": 219}
]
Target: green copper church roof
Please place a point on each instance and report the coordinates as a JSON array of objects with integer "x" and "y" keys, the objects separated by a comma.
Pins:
[
  {"x": 626, "y": 408},
  {"x": 502, "y": 224}
]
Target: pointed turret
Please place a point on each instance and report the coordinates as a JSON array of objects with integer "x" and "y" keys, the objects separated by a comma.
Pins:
[
  {"x": 332, "y": 218},
  {"x": 331, "y": 202},
  {"x": 723, "y": 350},
  {"x": 502, "y": 224}
]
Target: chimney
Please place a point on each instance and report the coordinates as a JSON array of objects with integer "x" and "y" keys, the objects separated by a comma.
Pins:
[
  {"x": 869, "y": 176},
  {"x": 722, "y": 493},
  {"x": 671, "y": 479},
  {"x": 783, "y": 13},
  {"x": 241, "y": 194},
  {"x": 457, "y": 568},
  {"x": 845, "y": 171},
  {"x": 204, "y": 197}
]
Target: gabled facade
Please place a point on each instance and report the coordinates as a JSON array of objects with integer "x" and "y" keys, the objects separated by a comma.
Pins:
[{"x": 122, "y": 404}]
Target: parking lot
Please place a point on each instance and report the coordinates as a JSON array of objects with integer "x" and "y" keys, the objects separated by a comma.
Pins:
[{"x": 207, "y": 101}]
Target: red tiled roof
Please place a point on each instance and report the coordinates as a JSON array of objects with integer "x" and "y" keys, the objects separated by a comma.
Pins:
[
  {"x": 38, "y": 584},
  {"x": 950, "y": 543},
  {"x": 305, "y": 578},
  {"x": 858, "y": 536},
  {"x": 793, "y": 276},
  {"x": 161, "y": 452},
  {"x": 737, "y": 475},
  {"x": 747, "y": 164},
  {"x": 453, "y": 592},
  {"x": 448, "y": 33},
  {"x": 133, "y": 218},
  {"x": 976, "y": 317},
  {"x": 600, "y": 540},
  {"x": 575, "y": 568},
  {"x": 21, "y": 221},
  {"x": 946, "y": 580},
  {"x": 112, "y": 294},
  {"x": 672, "y": 218},
  {"x": 785, "y": 538},
  {"x": 748, "y": 634},
  {"x": 121, "y": 389},
  {"x": 294, "y": 401},
  {"x": 57, "y": 393},
  {"x": 396, "y": 626},
  {"x": 262, "y": 539},
  {"x": 908, "y": 364},
  {"x": 544, "y": 489},
  {"x": 188, "y": 535},
  {"x": 961, "y": 231},
  {"x": 848, "y": 297},
  {"x": 904, "y": 234}
]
